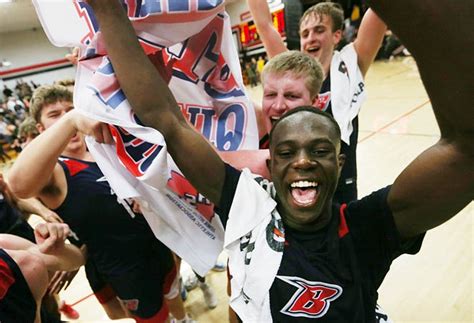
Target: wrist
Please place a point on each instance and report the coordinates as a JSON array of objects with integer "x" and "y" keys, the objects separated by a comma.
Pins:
[{"x": 101, "y": 5}]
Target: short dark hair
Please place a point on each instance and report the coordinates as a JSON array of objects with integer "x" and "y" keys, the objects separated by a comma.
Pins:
[{"x": 305, "y": 108}]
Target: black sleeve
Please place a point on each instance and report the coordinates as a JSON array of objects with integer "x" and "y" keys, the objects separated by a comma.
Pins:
[
  {"x": 232, "y": 176},
  {"x": 375, "y": 234}
]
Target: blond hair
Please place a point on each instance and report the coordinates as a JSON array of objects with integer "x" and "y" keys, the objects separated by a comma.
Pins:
[
  {"x": 65, "y": 82},
  {"x": 299, "y": 65},
  {"x": 45, "y": 95}
]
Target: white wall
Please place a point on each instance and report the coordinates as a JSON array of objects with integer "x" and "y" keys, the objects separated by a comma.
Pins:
[
  {"x": 235, "y": 9},
  {"x": 30, "y": 47}
]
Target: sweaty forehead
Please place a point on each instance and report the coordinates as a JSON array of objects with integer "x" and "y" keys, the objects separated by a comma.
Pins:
[{"x": 303, "y": 123}]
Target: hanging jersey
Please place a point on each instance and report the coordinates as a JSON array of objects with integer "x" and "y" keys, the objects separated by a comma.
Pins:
[
  {"x": 16, "y": 300},
  {"x": 93, "y": 212},
  {"x": 333, "y": 274}
]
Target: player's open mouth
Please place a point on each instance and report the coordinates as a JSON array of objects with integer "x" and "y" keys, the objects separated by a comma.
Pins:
[
  {"x": 304, "y": 193},
  {"x": 312, "y": 50}
]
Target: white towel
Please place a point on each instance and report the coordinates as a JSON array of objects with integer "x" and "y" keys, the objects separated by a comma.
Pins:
[
  {"x": 255, "y": 253},
  {"x": 347, "y": 89}
]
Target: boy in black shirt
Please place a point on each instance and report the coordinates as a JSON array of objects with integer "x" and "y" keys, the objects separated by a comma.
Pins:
[{"x": 294, "y": 254}]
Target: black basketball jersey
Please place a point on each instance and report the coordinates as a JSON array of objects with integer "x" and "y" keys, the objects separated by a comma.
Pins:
[
  {"x": 333, "y": 274},
  {"x": 16, "y": 300},
  {"x": 114, "y": 237}
]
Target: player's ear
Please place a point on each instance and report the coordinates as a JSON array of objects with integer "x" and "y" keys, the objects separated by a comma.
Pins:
[
  {"x": 314, "y": 101},
  {"x": 341, "y": 159},
  {"x": 336, "y": 37},
  {"x": 268, "y": 162}
]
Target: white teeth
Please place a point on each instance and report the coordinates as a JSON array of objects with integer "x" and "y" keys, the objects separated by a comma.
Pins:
[
  {"x": 303, "y": 184},
  {"x": 275, "y": 118}
]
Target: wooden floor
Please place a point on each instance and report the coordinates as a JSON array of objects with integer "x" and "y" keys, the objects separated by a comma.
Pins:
[{"x": 396, "y": 124}]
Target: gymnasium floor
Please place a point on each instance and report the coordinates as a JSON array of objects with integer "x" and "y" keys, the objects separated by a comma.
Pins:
[{"x": 396, "y": 124}]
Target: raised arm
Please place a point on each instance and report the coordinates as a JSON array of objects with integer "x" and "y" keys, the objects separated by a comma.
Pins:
[
  {"x": 36, "y": 167},
  {"x": 369, "y": 38},
  {"x": 153, "y": 102},
  {"x": 440, "y": 182},
  {"x": 270, "y": 37},
  {"x": 36, "y": 171}
]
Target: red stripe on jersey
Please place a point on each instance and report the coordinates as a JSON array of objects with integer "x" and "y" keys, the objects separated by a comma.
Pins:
[
  {"x": 105, "y": 294},
  {"x": 169, "y": 279},
  {"x": 6, "y": 278},
  {"x": 343, "y": 229},
  {"x": 75, "y": 166},
  {"x": 278, "y": 233}
]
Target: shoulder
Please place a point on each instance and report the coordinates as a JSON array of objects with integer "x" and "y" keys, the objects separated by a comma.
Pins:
[
  {"x": 374, "y": 204},
  {"x": 33, "y": 269}
]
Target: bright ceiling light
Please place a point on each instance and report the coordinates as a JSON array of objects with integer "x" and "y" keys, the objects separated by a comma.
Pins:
[{"x": 6, "y": 1}]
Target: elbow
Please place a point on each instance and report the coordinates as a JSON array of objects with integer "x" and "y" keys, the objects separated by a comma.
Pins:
[
  {"x": 18, "y": 188},
  {"x": 462, "y": 144}
]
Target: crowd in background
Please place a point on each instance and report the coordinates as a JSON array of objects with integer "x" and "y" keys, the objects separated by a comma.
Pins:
[
  {"x": 14, "y": 105},
  {"x": 16, "y": 127}
]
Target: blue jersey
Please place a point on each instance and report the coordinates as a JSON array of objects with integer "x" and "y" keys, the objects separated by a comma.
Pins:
[
  {"x": 333, "y": 274},
  {"x": 115, "y": 237}
]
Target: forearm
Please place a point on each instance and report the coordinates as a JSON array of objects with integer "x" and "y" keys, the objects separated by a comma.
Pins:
[
  {"x": 369, "y": 38},
  {"x": 444, "y": 177},
  {"x": 138, "y": 73},
  {"x": 35, "y": 206},
  {"x": 12, "y": 242},
  {"x": 66, "y": 258},
  {"x": 31, "y": 206},
  {"x": 32, "y": 170},
  {"x": 269, "y": 36}
]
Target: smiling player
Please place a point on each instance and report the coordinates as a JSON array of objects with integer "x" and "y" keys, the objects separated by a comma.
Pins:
[{"x": 294, "y": 254}]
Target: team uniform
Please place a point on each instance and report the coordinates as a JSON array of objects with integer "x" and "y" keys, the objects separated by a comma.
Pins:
[
  {"x": 332, "y": 274},
  {"x": 12, "y": 221},
  {"x": 127, "y": 260},
  {"x": 17, "y": 303}
]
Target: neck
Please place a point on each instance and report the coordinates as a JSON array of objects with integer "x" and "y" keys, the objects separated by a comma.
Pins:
[
  {"x": 319, "y": 223},
  {"x": 326, "y": 64},
  {"x": 327, "y": 68},
  {"x": 81, "y": 154}
]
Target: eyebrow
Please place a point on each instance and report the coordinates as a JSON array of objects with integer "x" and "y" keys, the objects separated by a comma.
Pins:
[{"x": 312, "y": 142}]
